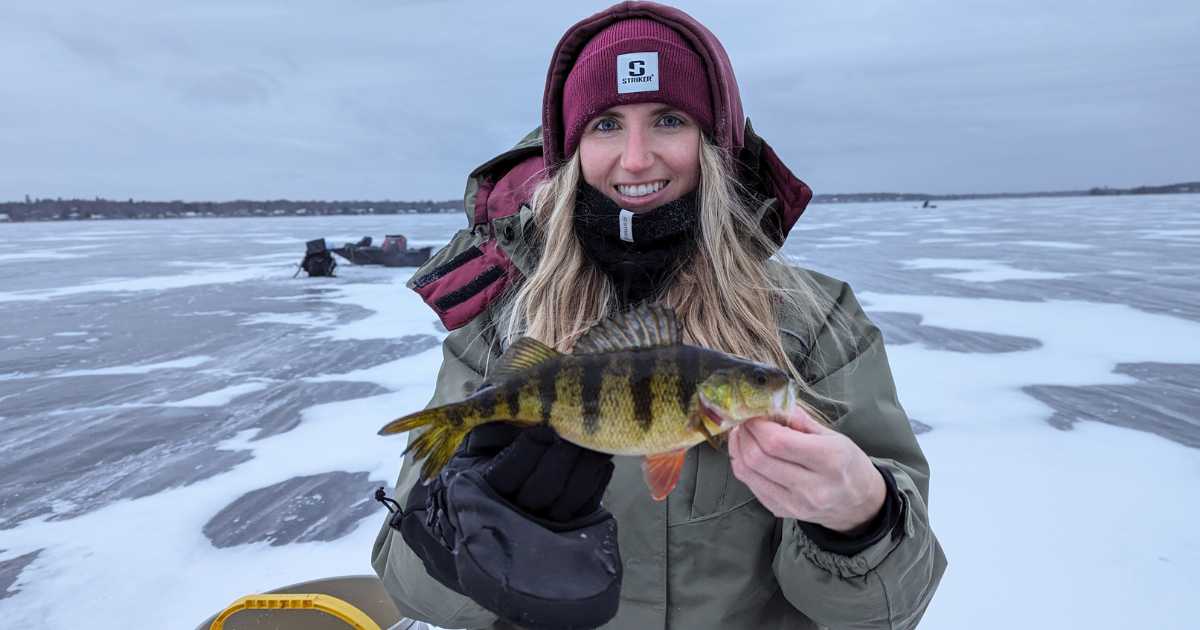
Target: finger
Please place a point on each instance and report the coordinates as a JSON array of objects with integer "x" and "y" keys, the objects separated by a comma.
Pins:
[
  {"x": 512, "y": 466},
  {"x": 490, "y": 438},
  {"x": 785, "y": 473},
  {"x": 795, "y": 447},
  {"x": 775, "y": 497},
  {"x": 592, "y": 470},
  {"x": 735, "y": 442},
  {"x": 753, "y": 475},
  {"x": 593, "y": 502},
  {"x": 800, "y": 420},
  {"x": 547, "y": 481}
]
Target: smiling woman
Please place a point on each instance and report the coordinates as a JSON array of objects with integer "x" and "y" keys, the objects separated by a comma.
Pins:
[{"x": 645, "y": 186}]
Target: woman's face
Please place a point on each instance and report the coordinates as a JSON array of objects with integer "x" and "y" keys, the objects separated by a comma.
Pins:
[{"x": 641, "y": 156}]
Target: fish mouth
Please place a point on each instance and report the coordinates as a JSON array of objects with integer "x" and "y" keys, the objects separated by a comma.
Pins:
[{"x": 713, "y": 413}]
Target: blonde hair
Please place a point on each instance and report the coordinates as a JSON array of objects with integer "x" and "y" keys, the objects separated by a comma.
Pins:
[{"x": 723, "y": 294}]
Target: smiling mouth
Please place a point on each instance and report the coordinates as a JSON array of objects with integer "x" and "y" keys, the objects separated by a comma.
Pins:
[{"x": 641, "y": 190}]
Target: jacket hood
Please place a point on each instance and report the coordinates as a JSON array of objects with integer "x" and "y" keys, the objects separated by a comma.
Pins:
[{"x": 758, "y": 167}]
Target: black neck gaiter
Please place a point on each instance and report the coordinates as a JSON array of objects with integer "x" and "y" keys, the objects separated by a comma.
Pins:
[{"x": 662, "y": 241}]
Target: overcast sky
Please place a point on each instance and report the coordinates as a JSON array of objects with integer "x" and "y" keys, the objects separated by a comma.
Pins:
[{"x": 360, "y": 99}]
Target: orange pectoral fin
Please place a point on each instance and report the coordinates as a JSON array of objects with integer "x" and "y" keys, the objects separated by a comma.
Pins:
[{"x": 661, "y": 471}]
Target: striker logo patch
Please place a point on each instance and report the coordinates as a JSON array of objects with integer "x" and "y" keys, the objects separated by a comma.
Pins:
[{"x": 637, "y": 72}]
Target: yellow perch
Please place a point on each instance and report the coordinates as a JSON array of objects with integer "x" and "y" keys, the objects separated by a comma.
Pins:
[{"x": 630, "y": 387}]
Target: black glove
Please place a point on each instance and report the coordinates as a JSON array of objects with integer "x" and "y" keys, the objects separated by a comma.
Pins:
[
  {"x": 514, "y": 522},
  {"x": 537, "y": 471}
]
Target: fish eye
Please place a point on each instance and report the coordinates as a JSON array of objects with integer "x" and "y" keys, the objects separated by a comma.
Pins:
[{"x": 760, "y": 377}]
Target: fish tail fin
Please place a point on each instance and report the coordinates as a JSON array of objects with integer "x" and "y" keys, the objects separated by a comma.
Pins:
[{"x": 437, "y": 444}]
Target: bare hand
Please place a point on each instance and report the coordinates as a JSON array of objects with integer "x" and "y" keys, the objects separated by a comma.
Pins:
[{"x": 808, "y": 472}]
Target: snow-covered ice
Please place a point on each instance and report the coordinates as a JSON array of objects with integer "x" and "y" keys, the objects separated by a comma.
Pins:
[{"x": 1051, "y": 347}]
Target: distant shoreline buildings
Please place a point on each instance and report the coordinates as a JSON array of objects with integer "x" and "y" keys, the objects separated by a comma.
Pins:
[
  {"x": 85, "y": 209},
  {"x": 1189, "y": 187},
  {"x": 91, "y": 209}
]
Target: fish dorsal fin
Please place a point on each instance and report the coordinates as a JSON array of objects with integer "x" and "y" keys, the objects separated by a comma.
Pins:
[
  {"x": 640, "y": 329},
  {"x": 523, "y": 354},
  {"x": 661, "y": 471}
]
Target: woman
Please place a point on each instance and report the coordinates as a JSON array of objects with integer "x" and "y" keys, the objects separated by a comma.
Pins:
[{"x": 645, "y": 185}]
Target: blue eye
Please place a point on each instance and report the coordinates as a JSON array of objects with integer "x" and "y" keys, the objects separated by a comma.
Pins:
[
  {"x": 606, "y": 125},
  {"x": 671, "y": 121}
]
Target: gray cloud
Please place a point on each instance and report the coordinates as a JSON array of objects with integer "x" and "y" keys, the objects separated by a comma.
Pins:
[
  {"x": 90, "y": 48},
  {"x": 231, "y": 87},
  {"x": 372, "y": 99}
]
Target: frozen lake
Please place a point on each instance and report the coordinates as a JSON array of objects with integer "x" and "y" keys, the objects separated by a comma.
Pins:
[{"x": 184, "y": 422}]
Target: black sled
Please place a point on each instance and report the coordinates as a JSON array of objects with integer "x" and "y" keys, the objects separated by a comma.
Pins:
[{"x": 317, "y": 260}]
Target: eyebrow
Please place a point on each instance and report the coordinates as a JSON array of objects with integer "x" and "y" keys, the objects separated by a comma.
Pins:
[{"x": 612, "y": 113}]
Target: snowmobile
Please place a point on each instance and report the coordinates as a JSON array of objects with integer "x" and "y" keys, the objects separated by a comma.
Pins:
[{"x": 394, "y": 252}]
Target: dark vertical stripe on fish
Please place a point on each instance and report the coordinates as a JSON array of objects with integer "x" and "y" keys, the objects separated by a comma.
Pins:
[
  {"x": 512, "y": 399},
  {"x": 590, "y": 383},
  {"x": 485, "y": 404},
  {"x": 547, "y": 391},
  {"x": 689, "y": 376},
  {"x": 454, "y": 414},
  {"x": 640, "y": 388}
]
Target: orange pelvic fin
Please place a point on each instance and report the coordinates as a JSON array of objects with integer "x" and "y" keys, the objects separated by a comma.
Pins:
[{"x": 661, "y": 471}]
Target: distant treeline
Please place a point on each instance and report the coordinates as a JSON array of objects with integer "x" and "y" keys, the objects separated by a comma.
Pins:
[
  {"x": 78, "y": 209},
  {"x": 75, "y": 209},
  {"x": 1191, "y": 187}
]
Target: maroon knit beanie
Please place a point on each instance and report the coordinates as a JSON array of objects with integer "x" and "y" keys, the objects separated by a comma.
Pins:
[{"x": 634, "y": 61}]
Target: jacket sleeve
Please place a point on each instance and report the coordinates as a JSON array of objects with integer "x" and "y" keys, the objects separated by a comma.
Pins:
[
  {"x": 416, "y": 594},
  {"x": 889, "y": 584}
]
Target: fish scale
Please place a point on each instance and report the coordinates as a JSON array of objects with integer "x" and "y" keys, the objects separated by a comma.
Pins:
[{"x": 631, "y": 388}]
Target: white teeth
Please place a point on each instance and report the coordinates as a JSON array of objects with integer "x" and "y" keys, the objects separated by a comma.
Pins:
[{"x": 641, "y": 190}]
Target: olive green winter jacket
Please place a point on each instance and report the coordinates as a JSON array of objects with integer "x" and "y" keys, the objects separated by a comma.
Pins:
[{"x": 710, "y": 555}]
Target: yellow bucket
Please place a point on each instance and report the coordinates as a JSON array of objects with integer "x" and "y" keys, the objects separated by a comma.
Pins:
[{"x": 340, "y": 603}]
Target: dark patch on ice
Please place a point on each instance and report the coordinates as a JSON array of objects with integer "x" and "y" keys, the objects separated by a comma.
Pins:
[
  {"x": 301, "y": 509},
  {"x": 11, "y": 569},
  {"x": 307, "y": 357},
  {"x": 1165, "y": 401},
  {"x": 157, "y": 326},
  {"x": 76, "y": 443},
  {"x": 93, "y": 457},
  {"x": 902, "y": 328},
  {"x": 919, "y": 427},
  {"x": 278, "y": 408}
]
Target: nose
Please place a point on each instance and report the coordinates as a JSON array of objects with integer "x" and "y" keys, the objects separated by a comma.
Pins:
[{"x": 637, "y": 155}]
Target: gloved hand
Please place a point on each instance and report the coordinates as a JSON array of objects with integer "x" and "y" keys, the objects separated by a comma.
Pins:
[
  {"x": 539, "y": 472},
  {"x": 514, "y": 522}
]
